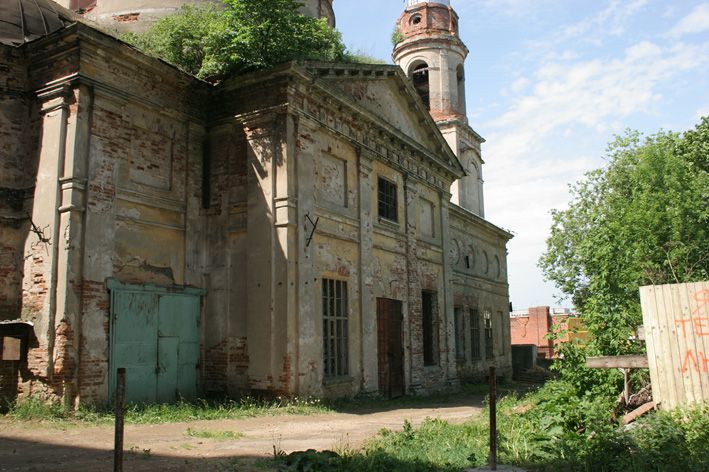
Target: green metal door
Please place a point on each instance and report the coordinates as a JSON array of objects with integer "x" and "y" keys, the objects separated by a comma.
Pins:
[
  {"x": 179, "y": 319},
  {"x": 167, "y": 369},
  {"x": 134, "y": 332},
  {"x": 155, "y": 337}
]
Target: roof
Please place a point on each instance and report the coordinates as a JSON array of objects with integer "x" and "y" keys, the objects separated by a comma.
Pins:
[{"x": 22, "y": 21}]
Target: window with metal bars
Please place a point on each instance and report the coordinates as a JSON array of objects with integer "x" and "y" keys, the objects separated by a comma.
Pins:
[
  {"x": 474, "y": 333},
  {"x": 489, "y": 347},
  {"x": 386, "y": 197},
  {"x": 335, "y": 328},
  {"x": 459, "y": 334}
]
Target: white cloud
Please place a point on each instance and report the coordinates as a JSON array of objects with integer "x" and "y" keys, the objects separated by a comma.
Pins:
[
  {"x": 592, "y": 93},
  {"x": 533, "y": 146},
  {"x": 519, "y": 85},
  {"x": 697, "y": 21},
  {"x": 611, "y": 21}
]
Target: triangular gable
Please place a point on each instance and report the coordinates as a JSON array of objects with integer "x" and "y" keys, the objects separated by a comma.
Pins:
[{"x": 387, "y": 94}]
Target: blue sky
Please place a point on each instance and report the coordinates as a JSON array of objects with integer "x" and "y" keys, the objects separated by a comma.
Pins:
[{"x": 549, "y": 82}]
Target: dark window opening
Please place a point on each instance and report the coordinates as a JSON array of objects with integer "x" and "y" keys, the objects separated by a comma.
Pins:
[
  {"x": 416, "y": 20},
  {"x": 467, "y": 262},
  {"x": 387, "y": 199},
  {"x": 335, "y": 328},
  {"x": 489, "y": 348},
  {"x": 474, "y": 333},
  {"x": 460, "y": 76},
  {"x": 459, "y": 334},
  {"x": 430, "y": 328},
  {"x": 421, "y": 83}
]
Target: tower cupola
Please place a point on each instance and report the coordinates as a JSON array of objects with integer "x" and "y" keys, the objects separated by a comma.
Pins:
[{"x": 431, "y": 53}]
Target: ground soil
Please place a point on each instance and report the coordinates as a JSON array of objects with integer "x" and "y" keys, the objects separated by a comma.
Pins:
[{"x": 42, "y": 447}]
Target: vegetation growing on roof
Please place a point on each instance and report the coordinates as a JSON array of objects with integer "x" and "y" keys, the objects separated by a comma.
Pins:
[{"x": 246, "y": 35}]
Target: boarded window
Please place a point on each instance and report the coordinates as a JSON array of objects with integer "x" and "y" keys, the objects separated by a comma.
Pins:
[
  {"x": 428, "y": 227},
  {"x": 459, "y": 334},
  {"x": 430, "y": 328},
  {"x": 489, "y": 346},
  {"x": 475, "y": 333},
  {"x": 331, "y": 180},
  {"x": 387, "y": 201},
  {"x": 335, "y": 328}
]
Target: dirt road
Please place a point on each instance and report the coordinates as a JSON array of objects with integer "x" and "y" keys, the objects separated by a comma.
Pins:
[{"x": 38, "y": 447}]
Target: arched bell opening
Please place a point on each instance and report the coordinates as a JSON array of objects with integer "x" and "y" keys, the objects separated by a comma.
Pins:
[{"x": 420, "y": 78}]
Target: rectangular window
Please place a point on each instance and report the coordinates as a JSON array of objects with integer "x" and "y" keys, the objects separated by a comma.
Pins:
[
  {"x": 475, "y": 333},
  {"x": 459, "y": 334},
  {"x": 335, "y": 328},
  {"x": 430, "y": 328},
  {"x": 387, "y": 201},
  {"x": 489, "y": 348}
]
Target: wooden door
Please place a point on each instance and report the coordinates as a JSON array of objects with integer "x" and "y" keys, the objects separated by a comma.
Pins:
[{"x": 390, "y": 343}]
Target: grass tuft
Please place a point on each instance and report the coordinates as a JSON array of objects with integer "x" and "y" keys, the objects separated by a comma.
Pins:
[{"x": 218, "y": 435}]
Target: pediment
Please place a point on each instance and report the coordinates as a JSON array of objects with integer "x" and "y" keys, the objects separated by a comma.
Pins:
[{"x": 384, "y": 92}]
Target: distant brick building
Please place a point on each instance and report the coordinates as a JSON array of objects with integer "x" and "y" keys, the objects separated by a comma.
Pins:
[{"x": 532, "y": 327}]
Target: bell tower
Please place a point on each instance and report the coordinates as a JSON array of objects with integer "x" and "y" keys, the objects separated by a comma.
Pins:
[{"x": 431, "y": 53}]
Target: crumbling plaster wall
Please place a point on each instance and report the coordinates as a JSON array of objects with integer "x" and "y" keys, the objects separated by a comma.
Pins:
[
  {"x": 118, "y": 196},
  {"x": 479, "y": 258}
]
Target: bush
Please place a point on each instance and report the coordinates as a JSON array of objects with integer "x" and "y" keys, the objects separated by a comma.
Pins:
[{"x": 245, "y": 35}]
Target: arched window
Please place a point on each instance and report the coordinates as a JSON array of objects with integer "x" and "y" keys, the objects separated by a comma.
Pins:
[
  {"x": 460, "y": 75},
  {"x": 419, "y": 76}
]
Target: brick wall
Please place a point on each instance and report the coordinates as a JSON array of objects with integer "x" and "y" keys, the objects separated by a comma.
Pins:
[{"x": 533, "y": 329}]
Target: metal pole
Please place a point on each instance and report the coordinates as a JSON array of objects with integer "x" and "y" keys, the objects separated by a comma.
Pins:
[
  {"x": 120, "y": 397},
  {"x": 493, "y": 419}
]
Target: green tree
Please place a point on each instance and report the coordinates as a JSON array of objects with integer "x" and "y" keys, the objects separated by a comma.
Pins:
[
  {"x": 185, "y": 39},
  {"x": 642, "y": 219},
  {"x": 245, "y": 35}
]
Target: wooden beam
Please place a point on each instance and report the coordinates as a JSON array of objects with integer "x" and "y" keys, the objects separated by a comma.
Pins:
[
  {"x": 618, "y": 362},
  {"x": 638, "y": 412}
]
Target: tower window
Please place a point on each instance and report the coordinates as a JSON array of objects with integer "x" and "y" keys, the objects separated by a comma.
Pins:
[
  {"x": 419, "y": 76},
  {"x": 416, "y": 19},
  {"x": 460, "y": 76}
]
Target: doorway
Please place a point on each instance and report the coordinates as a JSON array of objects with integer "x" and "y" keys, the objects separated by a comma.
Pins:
[
  {"x": 390, "y": 343},
  {"x": 155, "y": 336}
]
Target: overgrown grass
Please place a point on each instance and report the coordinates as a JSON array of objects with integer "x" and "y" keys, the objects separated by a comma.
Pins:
[
  {"x": 218, "y": 435},
  {"x": 37, "y": 409},
  {"x": 549, "y": 430}
]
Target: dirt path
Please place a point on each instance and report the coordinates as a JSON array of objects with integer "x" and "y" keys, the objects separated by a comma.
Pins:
[{"x": 37, "y": 447}]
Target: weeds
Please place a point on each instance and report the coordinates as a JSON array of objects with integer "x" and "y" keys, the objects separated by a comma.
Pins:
[
  {"x": 218, "y": 435},
  {"x": 38, "y": 409}
]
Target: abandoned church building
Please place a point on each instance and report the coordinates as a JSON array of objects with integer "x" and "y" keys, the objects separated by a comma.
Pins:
[{"x": 312, "y": 229}]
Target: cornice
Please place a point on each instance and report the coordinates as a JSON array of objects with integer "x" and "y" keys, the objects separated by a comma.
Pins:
[{"x": 468, "y": 216}]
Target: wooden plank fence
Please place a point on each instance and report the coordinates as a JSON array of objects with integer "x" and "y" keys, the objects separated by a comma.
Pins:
[{"x": 676, "y": 321}]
